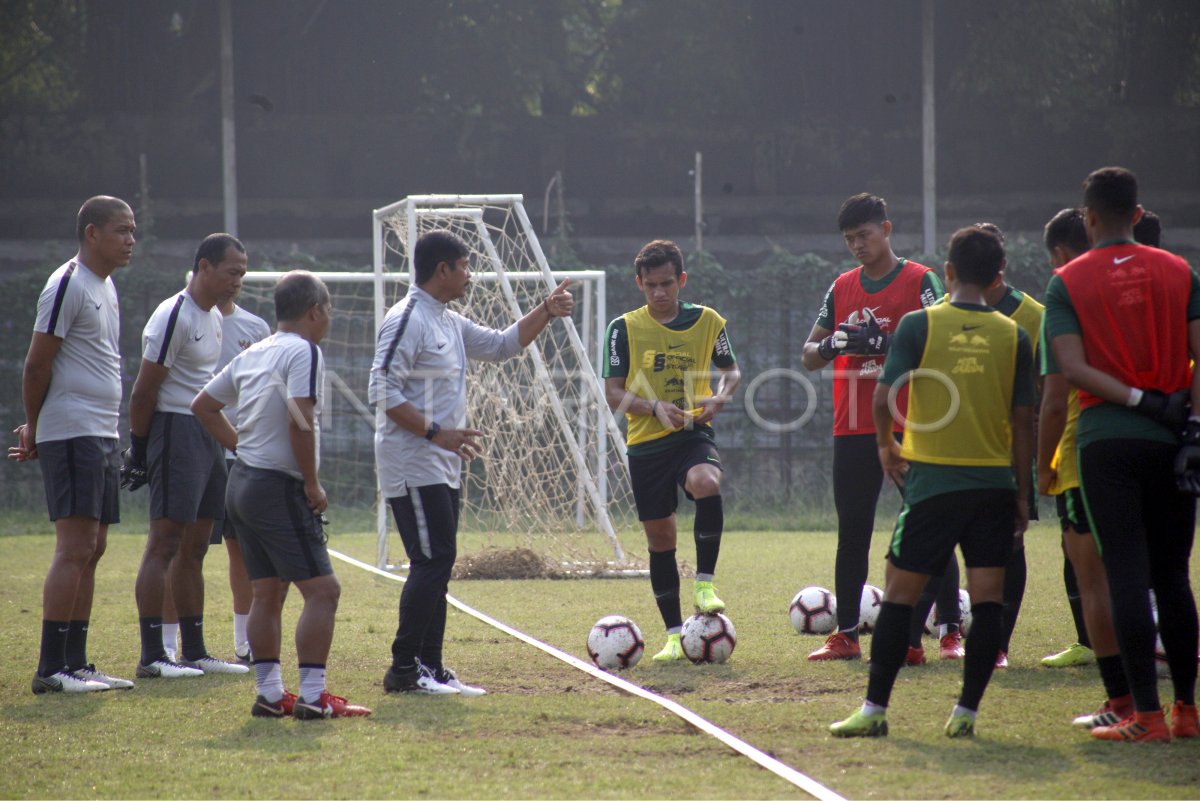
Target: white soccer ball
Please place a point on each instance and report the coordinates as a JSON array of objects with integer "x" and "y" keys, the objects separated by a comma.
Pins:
[
  {"x": 813, "y": 611},
  {"x": 615, "y": 643},
  {"x": 708, "y": 638},
  {"x": 868, "y": 608},
  {"x": 964, "y": 607}
]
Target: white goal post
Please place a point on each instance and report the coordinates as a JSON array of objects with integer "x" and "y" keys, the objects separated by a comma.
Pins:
[{"x": 554, "y": 476}]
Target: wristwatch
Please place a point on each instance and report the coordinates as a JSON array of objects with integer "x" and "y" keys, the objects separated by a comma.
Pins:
[{"x": 432, "y": 431}]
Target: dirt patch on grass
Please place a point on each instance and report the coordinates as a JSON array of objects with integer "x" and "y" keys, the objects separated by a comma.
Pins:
[{"x": 502, "y": 563}]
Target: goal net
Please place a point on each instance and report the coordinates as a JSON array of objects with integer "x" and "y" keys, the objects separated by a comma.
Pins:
[{"x": 553, "y": 476}]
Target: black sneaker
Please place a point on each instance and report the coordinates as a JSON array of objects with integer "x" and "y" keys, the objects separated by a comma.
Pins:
[{"x": 419, "y": 680}]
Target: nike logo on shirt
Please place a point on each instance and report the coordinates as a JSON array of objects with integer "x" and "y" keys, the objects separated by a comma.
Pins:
[
  {"x": 1121, "y": 260},
  {"x": 441, "y": 345},
  {"x": 198, "y": 337},
  {"x": 971, "y": 327}
]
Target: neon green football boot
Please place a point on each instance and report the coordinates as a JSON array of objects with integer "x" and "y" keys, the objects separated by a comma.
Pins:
[
  {"x": 960, "y": 726},
  {"x": 861, "y": 725},
  {"x": 706, "y": 598},
  {"x": 672, "y": 651},
  {"x": 1076, "y": 654}
]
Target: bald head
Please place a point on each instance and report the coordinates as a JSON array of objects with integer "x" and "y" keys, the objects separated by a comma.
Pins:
[{"x": 99, "y": 211}]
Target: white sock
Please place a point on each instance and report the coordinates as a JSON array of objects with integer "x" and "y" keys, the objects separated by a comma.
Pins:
[
  {"x": 869, "y": 708},
  {"x": 241, "y": 643},
  {"x": 170, "y": 635},
  {"x": 312, "y": 682},
  {"x": 269, "y": 678},
  {"x": 962, "y": 710}
]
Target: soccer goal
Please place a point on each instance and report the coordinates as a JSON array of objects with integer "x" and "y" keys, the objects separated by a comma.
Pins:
[{"x": 553, "y": 477}]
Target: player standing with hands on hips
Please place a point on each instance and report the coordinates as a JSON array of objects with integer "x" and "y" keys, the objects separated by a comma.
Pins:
[
  {"x": 419, "y": 379},
  {"x": 71, "y": 387},
  {"x": 658, "y": 372}
]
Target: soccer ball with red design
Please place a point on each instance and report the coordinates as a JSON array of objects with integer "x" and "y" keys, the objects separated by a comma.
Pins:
[
  {"x": 708, "y": 638},
  {"x": 868, "y": 608},
  {"x": 813, "y": 611},
  {"x": 615, "y": 643}
]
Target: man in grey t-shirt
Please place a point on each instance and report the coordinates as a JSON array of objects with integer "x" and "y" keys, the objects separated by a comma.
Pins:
[{"x": 71, "y": 387}]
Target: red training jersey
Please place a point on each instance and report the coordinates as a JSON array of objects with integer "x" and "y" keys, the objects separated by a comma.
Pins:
[
  {"x": 1132, "y": 301},
  {"x": 854, "y": 376}
]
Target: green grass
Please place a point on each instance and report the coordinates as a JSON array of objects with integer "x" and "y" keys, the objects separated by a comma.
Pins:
[{"x": 547, "y": 730}]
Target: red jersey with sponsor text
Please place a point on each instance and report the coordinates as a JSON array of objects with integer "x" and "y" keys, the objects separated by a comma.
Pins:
[
  {"x": 854, "y": 376},
  {"x": 1131, "y": 301}
]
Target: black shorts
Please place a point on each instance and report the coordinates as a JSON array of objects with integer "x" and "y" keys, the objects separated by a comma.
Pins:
[
  {"x": 653, "y": 477},
  {"x": 221, "y": 531},
  {"x": 279, "y": 535},
  {"x": 1071, "y": 511},
  {"x": 980, "y": 521},
  {"x": 186, "y": 468},
  {"x": 82, "y": 476}
]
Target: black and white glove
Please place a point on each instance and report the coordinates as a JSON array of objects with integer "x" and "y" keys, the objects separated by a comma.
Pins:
[
  {"x": 133, "y": 463},
  {"x": 867, "y": 338},
  {"x": 1187, "y": 461},
  {"x": 1169, "y": 410}
]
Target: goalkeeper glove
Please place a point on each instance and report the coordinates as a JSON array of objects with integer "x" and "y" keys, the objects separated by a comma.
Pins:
[
  {"x": 1169, "y": 410},
  {"x": 133, "y": 463},
  {"x": 1187, "y": 461},
  {"x": 867, "y": 339}
]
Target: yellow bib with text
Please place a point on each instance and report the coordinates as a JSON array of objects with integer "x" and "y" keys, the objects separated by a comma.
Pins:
[
  {"x": 960, "y": 397},
  {"x": 668, "y": 366}
]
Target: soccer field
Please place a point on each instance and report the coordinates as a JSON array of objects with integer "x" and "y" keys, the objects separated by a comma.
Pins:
[{"x": 547, "y": 730}]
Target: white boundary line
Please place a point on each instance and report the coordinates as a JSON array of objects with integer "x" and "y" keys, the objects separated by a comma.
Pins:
[{"x": 805, "y": 783}]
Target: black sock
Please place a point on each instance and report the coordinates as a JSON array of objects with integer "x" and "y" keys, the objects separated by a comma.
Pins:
[
  {"x": 152, "y": 644},
  {"x": 77, "y": 645},
  {"x": 982, "y": 647},
  {"x": 916, "y": 627},
  {"x": 664, "y": 581},
  {"x": 710, "y": 522},
  {"x": 53, "y": 655},
  {"x": 1076, "y": 601},
  {"x": 1014, "y": 593},
  {"x": 191, "y": 629},
  {"x": 1112, "y": 673},
  {"x": 889, "y": 645}
]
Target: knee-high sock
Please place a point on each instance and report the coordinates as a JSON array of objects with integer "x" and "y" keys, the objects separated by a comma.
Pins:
[
  {"x": 1076, "y": 601},
  {"x": 664, "y": 581},
  {"x": 1014, "y": 593},
  {"x": 710, "y": 522},
  {"x": 888, "y": 647},
  {"x": 983, "y": 644}
]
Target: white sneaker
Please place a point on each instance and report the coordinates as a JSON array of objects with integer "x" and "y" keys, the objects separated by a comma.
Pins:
[
  {"x": 66, "y": 681},
  {"x": 210, "y": 664},
  {"x": 166, "y": 669},
  {"x": 90, "y": 672},
  {"x": 420, "y": 682},
  {"x": 446, "y": 676}
]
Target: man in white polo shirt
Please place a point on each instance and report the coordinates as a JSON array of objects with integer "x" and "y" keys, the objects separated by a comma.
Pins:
[
  {"x": 71, "y": 387},
  {"x": 275, "y": 499},
  {"x": 239, "y": 330},
  {"x": 419, "y": 377},
  {"x": 181, "y": 344}
]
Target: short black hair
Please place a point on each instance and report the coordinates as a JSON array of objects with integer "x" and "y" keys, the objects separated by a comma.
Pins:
[
  {"x": 1148, "y": 230},
  {"x": 861, "y": 209},
  {"x": 435, "y": 247},
  {"x": 296, "y": 292},
  {"x": 1111, "y": 193},
  {"x": 1066, "y": 229},
  {"x": 98, "y": 211},
  {"x": 977, "y": 255},
  {"x": 656, "y": 254},
  {"x": 991, "y": 228},
  {"x": 214, "y": 247}
]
